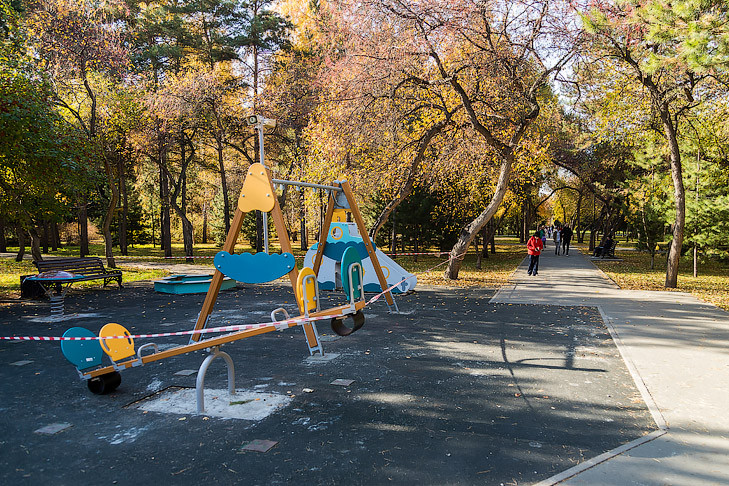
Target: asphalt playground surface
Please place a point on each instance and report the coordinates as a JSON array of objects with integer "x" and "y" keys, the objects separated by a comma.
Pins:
[{"x": 453, "y": 390}]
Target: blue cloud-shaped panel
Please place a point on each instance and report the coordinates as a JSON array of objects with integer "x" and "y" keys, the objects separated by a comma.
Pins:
[
  {"x": 335, "y": 249},
  {"x": 254, "y": 267}
]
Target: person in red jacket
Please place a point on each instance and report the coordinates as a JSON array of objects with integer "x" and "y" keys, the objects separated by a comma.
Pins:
[{"x": 534, "y": 248}]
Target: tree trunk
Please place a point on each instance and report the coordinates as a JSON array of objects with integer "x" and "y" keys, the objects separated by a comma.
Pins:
[
  {"x": 187, "y": 236},
  {"x": 485, "y": 237},
  {"x": 489, "y": 233},
  {"x": 162, "y": 199},
  {"x": 417, "y": 241},
  {"x": 153, "y": 219},
  {"x": 181, "y": 209},
  {"x": 674, "y": 254},
  {"x": 224, "y": 188},
  {"x": 205, "y": 223},
  {"x": 593, "y": 234},
  {"x": 3, "y": 240},
  {"x": 83, "y": 227},
  {"x": 479, "y": 254},
  {"x": 109, "y": 216},
  {"x": 45, "y": 236},
  {"x": 20, "y": 232},
  {"x": 55, "y": 237},
  {"x": 578, "y": 221},
  {"x": 123, "y": 217},
  {"x": 525, "y": 224},
  {"x": 164, "y": 202},
  {"x": 470, "y": 231},
  {"x": 393, "y": 233},
  {"x": 35, "y": 242},
  {"x": 259, "y": 231},
  {"x": 302, "y": 221}
]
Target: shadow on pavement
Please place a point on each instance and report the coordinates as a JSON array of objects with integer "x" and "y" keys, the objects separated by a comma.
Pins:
[{"x": 453, "y": 391}]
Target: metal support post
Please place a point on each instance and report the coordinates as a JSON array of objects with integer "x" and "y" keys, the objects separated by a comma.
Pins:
[{"x": 200, "y": 385}]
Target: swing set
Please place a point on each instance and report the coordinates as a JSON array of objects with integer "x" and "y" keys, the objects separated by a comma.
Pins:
[{"x": 258, "y": 193}]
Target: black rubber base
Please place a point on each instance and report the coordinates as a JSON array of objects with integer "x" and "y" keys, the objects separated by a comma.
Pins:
[
  {"x": 101, "y": 385},
  {"x": 339, "y": 326}
]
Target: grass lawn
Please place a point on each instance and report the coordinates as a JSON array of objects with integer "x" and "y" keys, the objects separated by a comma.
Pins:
[
  {"x": 634, "y": 272},
  {"x": 495, "y": 270}
]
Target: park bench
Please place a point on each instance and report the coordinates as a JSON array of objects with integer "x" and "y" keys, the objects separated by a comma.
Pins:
[
  {"x": 57, "y": 275},
  {"x": 88, "y": 268},
  {"x": 608, "y": 251}
]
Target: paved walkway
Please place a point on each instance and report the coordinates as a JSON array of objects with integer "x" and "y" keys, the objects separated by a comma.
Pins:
[{"x": 677, "y": 348}]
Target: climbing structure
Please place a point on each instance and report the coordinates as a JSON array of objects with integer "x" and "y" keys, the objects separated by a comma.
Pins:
[{"x": 344, "y": 235}]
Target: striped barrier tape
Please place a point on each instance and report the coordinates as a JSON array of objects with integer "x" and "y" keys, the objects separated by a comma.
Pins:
[
  {"x": 242, "y": 327},
  {"x": 197, "y": 257},
  {"x": 377, "y": 297}
]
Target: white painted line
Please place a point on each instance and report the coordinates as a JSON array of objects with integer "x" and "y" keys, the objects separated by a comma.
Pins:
[
  {"x": 582, "y": 467},
  {"x": 639, "y": 383}
]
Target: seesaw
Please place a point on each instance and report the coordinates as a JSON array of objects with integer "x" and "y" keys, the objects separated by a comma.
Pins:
[{"x": 258, "y": 193}]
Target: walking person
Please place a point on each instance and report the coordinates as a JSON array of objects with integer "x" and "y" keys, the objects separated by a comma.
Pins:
[
  {"x": 566, "y": 238},
  {"x": 557, "y": 239},
  {"x": 534, "y": 248}
]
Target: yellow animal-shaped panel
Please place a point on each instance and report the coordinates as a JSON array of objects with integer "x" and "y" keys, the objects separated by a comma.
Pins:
[
  {"x": 256, "y": 193},
  {"x": 117, "y": 349}
]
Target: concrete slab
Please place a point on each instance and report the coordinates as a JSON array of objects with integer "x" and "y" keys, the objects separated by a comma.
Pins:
[
  {"x": 53, "y": 428},
  {"x": 259, "y": 445},
  {"x": 244, "y": 405}
]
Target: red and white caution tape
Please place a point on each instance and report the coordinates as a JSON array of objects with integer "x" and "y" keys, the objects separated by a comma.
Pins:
[
  {"x": 437, "y": 253},
  {"x": 185, "y": 257},
  {"x": 243, "y": 327},
  {"x": 377, "y": 297}
]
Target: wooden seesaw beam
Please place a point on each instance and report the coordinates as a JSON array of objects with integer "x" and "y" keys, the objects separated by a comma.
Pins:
[{"x": 216, "y": 341}]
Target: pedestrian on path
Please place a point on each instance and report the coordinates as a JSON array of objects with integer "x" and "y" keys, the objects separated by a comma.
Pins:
[
  {"x": 557, "y": 239},
  {"x": 534, "y": 248},
  {"x": 566, "y": 238}
]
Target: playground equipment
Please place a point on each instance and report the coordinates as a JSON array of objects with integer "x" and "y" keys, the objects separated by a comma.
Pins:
[
  {"x": 258, "y": 193},
  {"x": 343, "y": 236}
]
